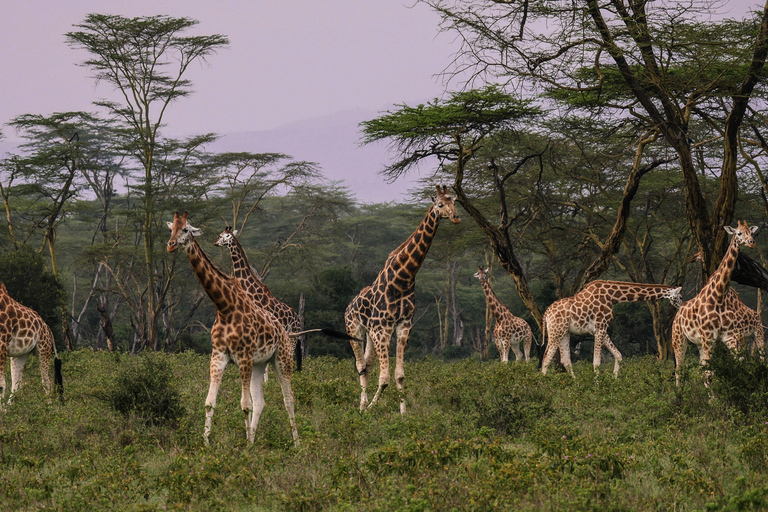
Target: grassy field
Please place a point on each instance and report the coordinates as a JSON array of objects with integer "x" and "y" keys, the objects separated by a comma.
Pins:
[{"x": 477, "y": 436}]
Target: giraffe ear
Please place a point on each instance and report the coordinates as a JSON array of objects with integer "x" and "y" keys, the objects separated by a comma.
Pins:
[
  {"x": 236, "y": 232},
  {"x": 195, "y": 231},
  {"x": 729, "y": 230},
  {"x": 754, "y": 229},
  {"x": 170, "y": 224}
]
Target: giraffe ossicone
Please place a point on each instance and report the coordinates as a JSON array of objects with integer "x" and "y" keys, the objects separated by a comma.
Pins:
[
  {"x": 510, "y": 331},
  {"x": 386, "y": 306},
  {"x": 590, "y": 311},
  {"x": 243, "y": 333},
  {"x": 716, "y": 312}
]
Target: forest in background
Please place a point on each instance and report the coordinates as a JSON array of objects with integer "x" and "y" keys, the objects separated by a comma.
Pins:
[{"x": 619, "y": 164}]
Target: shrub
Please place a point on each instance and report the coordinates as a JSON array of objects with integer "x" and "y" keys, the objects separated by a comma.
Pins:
[
  {"x": 740, "y": 380},
  {"x": 143, "y": 387}
]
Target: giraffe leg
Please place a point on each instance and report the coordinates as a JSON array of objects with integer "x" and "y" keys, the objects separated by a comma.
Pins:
[
  {"x": 499, "y": 341},
  {"x": 17, "y": 370},
  {"x": 617, "y": 357},
  {"x": 403, "y": 333},
  {"x": 553, "y": 338},
  {"x": 679, "y": 346},
  {"x": 283, "y": 370},
  {"x": 514, "y": 343},
  {"x": 380, "y": 338},
  {"x": 257, "y": 398},
  {"x": 565, "y": 353},
  {"x": 368, "y": 357},
  {"x": 247, "y": 388},
  {"x": 219, "y": 360},
  {"x": 705, "y": 352},
  {"x": 527, "y": 340}
]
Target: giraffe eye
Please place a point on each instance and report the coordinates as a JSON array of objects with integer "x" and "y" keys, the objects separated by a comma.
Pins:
[{"x": 440, "y": 205}]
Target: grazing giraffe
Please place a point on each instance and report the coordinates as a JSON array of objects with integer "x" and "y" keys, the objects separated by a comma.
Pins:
[
  {"x": 244, "y": 333},
  {"x": 590, "y": 311},
  {"x": 23, "y": 331},
  {"x": 741, "y": 322},
  {"x": 703, "y": 319},
  {"x": 386, "y": 306},
  {"x": 259, "y": 292},
  {"x": 509, "y": 330}
]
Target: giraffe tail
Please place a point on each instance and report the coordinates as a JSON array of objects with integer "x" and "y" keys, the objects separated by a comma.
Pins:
[
  {"x": 299, "y": 355},
  {"x": 58, "y": 378},
  {"x": 329, "y": 332}
]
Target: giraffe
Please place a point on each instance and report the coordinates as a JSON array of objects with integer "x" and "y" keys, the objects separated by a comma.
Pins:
[
  {"x": 244, "y": 333},
  {"x": 386, "y": 306},
  {"x": 590, "y": 311},
  {"x": 258, "y": 291},
  {"x": 23, "y": 331},
  {"x": 741, "y": 322},
  {"x": 703, "y": 319},
  {"x": 509, "y": 330}
]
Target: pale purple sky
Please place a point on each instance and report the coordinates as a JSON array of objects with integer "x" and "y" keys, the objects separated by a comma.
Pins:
[{"x": 287, "y": 60}]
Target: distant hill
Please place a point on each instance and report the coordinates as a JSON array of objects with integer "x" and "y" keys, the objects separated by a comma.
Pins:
[{"x": 332, "y": 142}]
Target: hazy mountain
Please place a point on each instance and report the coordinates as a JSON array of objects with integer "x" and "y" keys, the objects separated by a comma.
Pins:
[{"x": 332, "y": 142}]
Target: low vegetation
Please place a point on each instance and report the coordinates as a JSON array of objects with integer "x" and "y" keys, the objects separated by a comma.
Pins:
[{"x": 479, "y": 435}]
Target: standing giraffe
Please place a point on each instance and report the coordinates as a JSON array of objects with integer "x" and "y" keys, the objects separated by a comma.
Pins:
[
  {"x": 703, "y": 319},
  {"x": 386, "y": 306},
  {"x": 509, "y": 330},
  {"x": 740, "y": 321},
  {"x": 590, "y": 311},
  {"x": 258, "y": 291},
  {"x": 23, "y": 331},
  {"x": 243, "y": 332}
]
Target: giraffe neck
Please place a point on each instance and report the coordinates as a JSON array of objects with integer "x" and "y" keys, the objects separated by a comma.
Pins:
[
  {"x": 619, "y": 291},
  {"x": 717, "y": 285},
  {"x": 497, "y": 308},
  {"x": 218, "y": 285},
  {"x": 242, "y": 268},
  {"x": 407, "y": 259}
]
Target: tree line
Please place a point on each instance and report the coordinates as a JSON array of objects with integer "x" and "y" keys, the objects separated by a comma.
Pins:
[{"x": 615, "y": 143}]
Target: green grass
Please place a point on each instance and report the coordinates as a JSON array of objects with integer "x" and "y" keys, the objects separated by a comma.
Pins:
[{"x": 477, "y": 436}]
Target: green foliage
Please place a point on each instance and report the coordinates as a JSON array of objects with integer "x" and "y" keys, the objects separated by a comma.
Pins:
[
  {"x": 740, "y": 379},
  {"x": 477, "y": 436},
  {"x": 144, "y": 387},
  {"x": 25, "y": 277}
]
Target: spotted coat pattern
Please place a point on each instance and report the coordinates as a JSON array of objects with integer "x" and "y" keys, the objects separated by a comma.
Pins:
[
  {"x": 243, "y": 333},
  {"x": 509, "y": 330},
  {"x": 711, "y": 316},
  {"x": 386, "y": 306},
  {"x": 590, "y": 311},
  {"x": 22, "y": 332}
]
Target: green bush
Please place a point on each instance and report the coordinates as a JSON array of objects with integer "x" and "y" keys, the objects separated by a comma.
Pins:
[
  {"x": 143, "y": 386},
  {"x": 740, "y": 380}
]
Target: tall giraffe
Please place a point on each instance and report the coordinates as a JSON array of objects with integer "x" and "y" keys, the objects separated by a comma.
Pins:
[
  {"x": 509, "y": 330},
  {"x": 257, "y": 290},
  {"x": 590, "y": 311},
  {"x": 22, "y": 332},
  {"x": 386, "y": 306},
  {"x": 702, "y": 320},
  {"x": 244, "y": 333}
]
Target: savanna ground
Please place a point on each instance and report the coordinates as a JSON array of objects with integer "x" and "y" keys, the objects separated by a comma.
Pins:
[{"x": 478, "y": 435}]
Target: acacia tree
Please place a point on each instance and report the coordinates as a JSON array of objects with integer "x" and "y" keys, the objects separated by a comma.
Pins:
[
  {"x": 453, "y": 131},
  {"x": 657, "y": 63},
  {"x": 145, "y": 59}
]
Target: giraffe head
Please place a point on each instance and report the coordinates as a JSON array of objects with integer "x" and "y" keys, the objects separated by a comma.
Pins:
[
  {"x": 181, "y": 232},
  {"x": 226, "y": 238},
  {"x": 675, "y": 296},
  {"x": 742, "y": 234},
  {"x": 443, "y": 205},
  {"x": 481, "y": 274}
]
